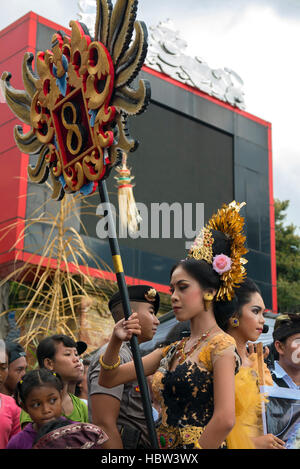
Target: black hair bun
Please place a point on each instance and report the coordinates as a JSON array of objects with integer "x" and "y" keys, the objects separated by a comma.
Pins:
[
  {"x": 222, "y": 243},
  {"x": 224, "y": 310}
]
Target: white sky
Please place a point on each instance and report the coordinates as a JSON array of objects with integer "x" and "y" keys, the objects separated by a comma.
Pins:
[{"x": 259, "y": 39}]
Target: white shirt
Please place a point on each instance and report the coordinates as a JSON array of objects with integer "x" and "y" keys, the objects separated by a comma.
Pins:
[{"x": 281, "y": 373}]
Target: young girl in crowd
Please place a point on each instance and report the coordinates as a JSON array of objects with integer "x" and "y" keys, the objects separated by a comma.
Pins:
[
  {"x": 9, "y": 411},
  {"x": 60, "y": 354},
  {"x": 194, "y": 378},
  {"x": 39, "y": 394},
  {"x": 247, "y": 325}
]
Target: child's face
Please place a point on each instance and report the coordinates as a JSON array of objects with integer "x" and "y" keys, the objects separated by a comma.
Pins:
[{"x": 43, "y": 404}]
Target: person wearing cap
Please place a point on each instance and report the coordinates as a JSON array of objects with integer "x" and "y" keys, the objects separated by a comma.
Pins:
[
  {"x": 119, "y": 410},
  {"x": 286, "y": 336},
  {"x": 60, "y": 354},
  {"x": 17, "y": 365}
]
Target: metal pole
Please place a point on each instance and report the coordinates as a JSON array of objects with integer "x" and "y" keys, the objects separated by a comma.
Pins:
[{"x": 118, "y": 267}]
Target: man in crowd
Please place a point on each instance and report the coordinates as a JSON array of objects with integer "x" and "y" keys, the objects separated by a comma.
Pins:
[
  {"x": 119, "y": 411},
  {"x": 286, "y": 335},
  {"x": 60, "y": 354},
  {"x": 17, "y": 365}
]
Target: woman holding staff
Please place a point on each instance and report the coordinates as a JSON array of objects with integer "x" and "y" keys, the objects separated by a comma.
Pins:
[{"x": 194, "y": 378}]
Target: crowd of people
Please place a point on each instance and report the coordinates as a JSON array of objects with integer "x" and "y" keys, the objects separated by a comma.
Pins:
[{"x": 203, "y": 379}]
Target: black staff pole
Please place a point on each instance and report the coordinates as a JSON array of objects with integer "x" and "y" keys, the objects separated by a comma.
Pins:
[{"x": 118, "y": 267}]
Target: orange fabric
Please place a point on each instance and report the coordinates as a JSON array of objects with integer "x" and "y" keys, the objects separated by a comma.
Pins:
[{"x": 248, "y": 406}]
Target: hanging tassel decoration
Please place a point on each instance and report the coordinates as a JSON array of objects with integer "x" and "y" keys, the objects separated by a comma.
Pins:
[{"x": 129, "y": 215}]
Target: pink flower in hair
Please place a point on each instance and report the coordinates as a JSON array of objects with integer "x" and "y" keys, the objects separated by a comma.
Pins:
[{"x": 221, "y": 263}]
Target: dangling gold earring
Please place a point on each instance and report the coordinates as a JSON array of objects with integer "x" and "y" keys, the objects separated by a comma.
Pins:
[
  {"x": 207, "y": 298},
  {"x": 234, "y": 322}
]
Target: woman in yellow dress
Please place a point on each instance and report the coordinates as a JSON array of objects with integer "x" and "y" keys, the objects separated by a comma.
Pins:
[
  {"x": 247, "y": 325},
  {"x": 193, "y": 378}
]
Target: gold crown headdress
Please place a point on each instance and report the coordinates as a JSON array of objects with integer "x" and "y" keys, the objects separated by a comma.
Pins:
[{"x": 229, "y": 221}]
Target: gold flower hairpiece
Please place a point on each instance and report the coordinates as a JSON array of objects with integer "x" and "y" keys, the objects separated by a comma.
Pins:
[{"x": 203, "y": 246}]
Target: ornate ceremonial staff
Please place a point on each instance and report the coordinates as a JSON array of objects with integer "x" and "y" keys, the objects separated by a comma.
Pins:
[{"x": 77, "y": 104}]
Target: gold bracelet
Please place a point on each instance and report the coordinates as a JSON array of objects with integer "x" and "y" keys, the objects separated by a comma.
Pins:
[
  {"x": 196, "y": 445},
  {"x": 109, "y": 367}
]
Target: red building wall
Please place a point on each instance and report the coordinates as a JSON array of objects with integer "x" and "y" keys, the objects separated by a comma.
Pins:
[{"x": 15, "y": 40}]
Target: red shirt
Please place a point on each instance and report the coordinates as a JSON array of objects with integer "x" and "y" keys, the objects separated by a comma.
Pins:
[{"x": 9, "y": 419}]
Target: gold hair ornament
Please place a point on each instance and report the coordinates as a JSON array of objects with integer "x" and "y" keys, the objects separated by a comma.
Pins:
[
  {"x": 203, "y": 246},
  {"x": 228, "y": 221}
]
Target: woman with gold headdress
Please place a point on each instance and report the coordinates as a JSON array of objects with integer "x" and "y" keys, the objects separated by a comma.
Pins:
[{"x": 194, "y": 378}]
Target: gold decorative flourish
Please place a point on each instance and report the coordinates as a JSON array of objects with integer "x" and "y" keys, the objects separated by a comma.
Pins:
[
  {"x": 47, "y": 92},
  {"x": 79, "y": 53},
  {"x": 93, "y": 166}
]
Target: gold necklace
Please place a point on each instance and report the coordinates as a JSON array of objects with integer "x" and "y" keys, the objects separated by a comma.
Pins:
[{"x": 181, "y": 355}]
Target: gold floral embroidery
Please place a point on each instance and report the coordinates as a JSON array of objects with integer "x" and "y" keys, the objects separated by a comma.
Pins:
[
  {"x": 171, "y": 437},
  {"x": 186, "y": 393},
  {"x": 204, "y": 357},
  {"x": 157, "y": 388},
  {"x": 217, "y": 345},
  {"x": 165, "y": 350}
]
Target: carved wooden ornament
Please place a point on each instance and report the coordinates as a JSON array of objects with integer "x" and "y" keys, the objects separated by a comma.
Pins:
[{"x": 78, "y": 100}]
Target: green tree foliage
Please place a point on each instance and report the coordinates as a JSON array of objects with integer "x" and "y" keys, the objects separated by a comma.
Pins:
[{"x": 288, "y": 260}]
